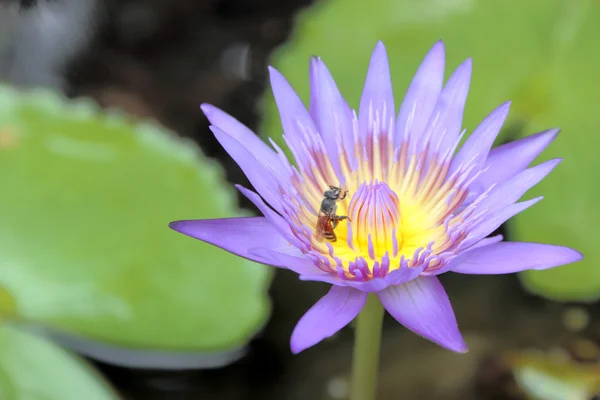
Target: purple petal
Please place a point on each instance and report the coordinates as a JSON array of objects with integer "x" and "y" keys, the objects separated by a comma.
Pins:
[
  {"x": 330, "y": 112},
  {"x": 242, "y": 134},
  {"x": 509, "y": 159},
  {"x": 422, "y": 306},
  {"x": 395, "y": 277},
  {"x": 476, "y": 149},
  {"x": 295, "y": 119},
  {"x": 422, "y": 95},
  {"x": 403, "y": 275},
  {"x": 260, "y": 175},
  {"x": 509, "y": 257},
  {"x": 457, "y": 260},
  {"x": 446, "y": 120},
  {"x": 493, "y": 221},
  {"x": 331, "y": 313},
  {"x": 275, "y": 219},
  {"x": 236, "y": 235},
  {"x": 487, "y": 241},
  {"x": 511, "y": 190},
  {"x": 288, "y": 258},
  {"x": 370, "y": 286},
  {"x": 377, "y": 97}
]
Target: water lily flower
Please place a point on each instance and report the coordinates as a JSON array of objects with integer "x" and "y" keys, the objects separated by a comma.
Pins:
[{"x": 418, "y": 205}]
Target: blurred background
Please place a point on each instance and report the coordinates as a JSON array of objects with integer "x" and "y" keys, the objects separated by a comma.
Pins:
[{"x": 102, "y": 144}]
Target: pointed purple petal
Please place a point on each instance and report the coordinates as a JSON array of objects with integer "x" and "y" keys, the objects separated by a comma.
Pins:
[
  {"x": 395, "y": 277},
  {"x": 258, "y": 173},
  {"x": 403, "y": 274},
  {"x": 295, "y": 119},
  {"x": 370, "y": 286},
  {"x": 422, "y": 306},
  {"x": 330, "y": 314},
  {"x": 509, "y": 257},
  {"x": 477, "y": 147},
  {"x": 377, "y": 97},
  {"x": 236, "y": 235},
  {"x": 275, "y": 219},
  {"x": 509, "y": 159},
  {"x": 242, "y": 134},
  {"x": 445, "y": 123},
  {"x": 493, "y": 221},
  {"x": 330, "y": 112},
  {"x": 288, "y": 258},
  {"x": 511, "y": 190},
  {"x": 422, "y": 95},
  {"x": 454, "y": 262},
  {"x": 487, "y": 241},
  {"x": 457, "y": 260}
]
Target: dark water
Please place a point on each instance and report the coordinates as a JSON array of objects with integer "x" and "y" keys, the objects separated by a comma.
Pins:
[
  {"x": 493, "y": 313},
  {"x": 161, "y": 59}
]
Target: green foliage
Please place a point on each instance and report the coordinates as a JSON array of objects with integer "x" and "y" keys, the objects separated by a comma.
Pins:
[
  {"x": 542, "y": 54},
  {"x": 86, "y": 248},
  {"x": 8, "y": 305},
  {"x": 569, "y": 214},
  {"x": 35, "y": 369}
]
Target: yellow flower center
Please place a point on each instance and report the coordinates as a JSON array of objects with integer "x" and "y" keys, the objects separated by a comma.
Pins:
[{"x": 404, "y": 213}]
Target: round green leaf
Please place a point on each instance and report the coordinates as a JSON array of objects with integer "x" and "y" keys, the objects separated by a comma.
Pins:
[
  {"x": 85, "y": 244},
  {"x": 8, "y": 305},
  {"x": 34, "y": 369},
  {"x": 569, "y": 214}
]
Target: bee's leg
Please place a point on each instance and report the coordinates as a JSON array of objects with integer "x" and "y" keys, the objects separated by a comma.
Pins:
[
  {"x": 336, "y": 220},
  {"x": 342, "y": 217}
]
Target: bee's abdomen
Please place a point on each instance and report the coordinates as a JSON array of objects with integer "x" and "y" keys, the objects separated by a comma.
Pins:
[{"x": 330, "y": 236}]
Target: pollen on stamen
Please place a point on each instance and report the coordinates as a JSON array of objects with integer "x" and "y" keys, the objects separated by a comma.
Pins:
[
  {"x": 407, "y": 210},
  {"x": 371, "y": 248}
]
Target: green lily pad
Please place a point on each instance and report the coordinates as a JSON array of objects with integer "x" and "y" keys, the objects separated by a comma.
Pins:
[
  {"x": 8, "y": 305},
  {"x": 34, "y": 369},
  {"x": 569, "y": 214},
  {"x": 86, "y": 248},
  {"x": 539, "y": 53}
]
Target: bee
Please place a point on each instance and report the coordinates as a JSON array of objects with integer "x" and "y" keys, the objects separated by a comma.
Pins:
[{"x": 328, "y": 220}]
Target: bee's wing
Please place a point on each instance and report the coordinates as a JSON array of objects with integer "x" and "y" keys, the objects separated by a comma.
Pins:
[{"x": 320, "y": 228}]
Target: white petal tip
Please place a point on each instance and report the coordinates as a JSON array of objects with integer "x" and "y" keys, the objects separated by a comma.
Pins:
[
  {"x": 438, "y": 49},
  {"x": 379, "y": 53},
  {"x": 467, "y": 66},
  {"x": 186, "y": 227},
  {"x": 274, "y": 74},
  {"x": 176, "y": 225},
  {"x": 574, "y": 257},
  {"x": 549, "y": 135},
  {"x": 458, "y": 345},
  {"x": 207, "y": 108},
  {"x": 462, "y": 349},
  {"x": 295, "y": 349}
]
